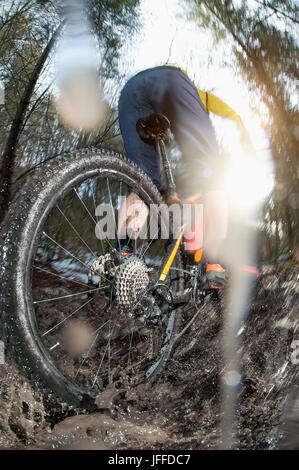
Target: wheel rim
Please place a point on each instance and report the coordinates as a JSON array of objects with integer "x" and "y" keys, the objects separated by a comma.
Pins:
[{"x": 85, "y": 336}]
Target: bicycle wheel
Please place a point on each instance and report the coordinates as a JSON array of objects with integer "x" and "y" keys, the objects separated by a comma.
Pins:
[{"x": 72, "y": 313}]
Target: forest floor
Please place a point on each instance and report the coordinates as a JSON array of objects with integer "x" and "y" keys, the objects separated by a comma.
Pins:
[{"x": 182, "y": 408}]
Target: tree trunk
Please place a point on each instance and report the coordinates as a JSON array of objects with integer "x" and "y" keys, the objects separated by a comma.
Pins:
[{"x": 7, "y": 164}]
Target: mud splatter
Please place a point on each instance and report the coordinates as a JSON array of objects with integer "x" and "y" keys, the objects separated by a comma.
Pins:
[{"x": 181, "y": 409}]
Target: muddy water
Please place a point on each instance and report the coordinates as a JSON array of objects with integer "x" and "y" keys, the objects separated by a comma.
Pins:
[{"x": 181, "y": 410}]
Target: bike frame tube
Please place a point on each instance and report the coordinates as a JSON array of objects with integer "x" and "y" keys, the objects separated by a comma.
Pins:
[
  {"x": 170, "y": 184},
  {"x": 171, "y": 257}
]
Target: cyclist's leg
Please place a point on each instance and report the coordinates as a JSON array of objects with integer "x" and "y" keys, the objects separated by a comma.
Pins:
[
  {"x": 133, "y": 105},
  {"x": 169, "y": 91},
  {"x": 193, "y": 133},
  {"x": 196, "y": 138}
]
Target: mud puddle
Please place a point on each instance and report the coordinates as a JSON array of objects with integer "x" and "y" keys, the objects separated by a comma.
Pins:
[{"x": 180, "y": 410}]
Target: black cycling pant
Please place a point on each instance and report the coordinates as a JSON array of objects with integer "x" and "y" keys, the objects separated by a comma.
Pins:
[{"x": 167, "y": 90}]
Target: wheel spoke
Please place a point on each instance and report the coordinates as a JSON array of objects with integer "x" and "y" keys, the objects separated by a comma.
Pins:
[
  {"x": 109, "y": 359},
  {"x": 130, "y": 333},
  {"x": 115, "y": 342},
  {"x": 96, "y": 332},
  {"x": 110, "y": 198},
  {"x": 149, "y": 244},
  {"x": 73, "y": 256},
  {"x": 87, "y": 210},
  {"x": 84, "y": 205},
  {"x": 95, "y": 206},
  {"x": 76, "y": 232},
  {"x": 143, "y": 242},
  {"x": 69, "y": 295},
  {"x": 69, "y": 316},
  {"x": 64, "y": 249},
  {"x": 61, "y": 277},
  {"x": 100, "y": 366},
  {"x": 154, "y": 237}
]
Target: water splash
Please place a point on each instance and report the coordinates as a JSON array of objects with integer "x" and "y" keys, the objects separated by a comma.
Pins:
[
  {"x": 80, "y": 103},
  {"x": 248, "y": 189}
]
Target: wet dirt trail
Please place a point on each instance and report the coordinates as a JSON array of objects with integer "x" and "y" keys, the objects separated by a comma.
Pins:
[{"x": 181, "y": 409}]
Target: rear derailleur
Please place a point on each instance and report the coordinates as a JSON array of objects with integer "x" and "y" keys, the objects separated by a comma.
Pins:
[{"x": 155, "y": 304}]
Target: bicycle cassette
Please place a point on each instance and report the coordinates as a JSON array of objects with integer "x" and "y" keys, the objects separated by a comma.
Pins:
[{"x": 131, "y": 280}]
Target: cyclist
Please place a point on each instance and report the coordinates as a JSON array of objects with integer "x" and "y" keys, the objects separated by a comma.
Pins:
[{"x": 169, "y": 91}]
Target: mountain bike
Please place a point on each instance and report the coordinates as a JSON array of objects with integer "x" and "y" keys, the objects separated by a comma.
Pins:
[{"x": 78, "y": 315}]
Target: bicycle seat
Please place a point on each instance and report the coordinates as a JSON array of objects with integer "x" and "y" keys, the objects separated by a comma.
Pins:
[{"x": 152, "y": 127}]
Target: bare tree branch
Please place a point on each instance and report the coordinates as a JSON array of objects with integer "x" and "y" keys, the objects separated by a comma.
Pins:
[
  {"x": 16, "y": 127},
  {"x": 11, "y": 18},
  {"x": 276, "y": 10}
]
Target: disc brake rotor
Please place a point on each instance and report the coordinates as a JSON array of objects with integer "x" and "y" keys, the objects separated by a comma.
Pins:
[{"x": 103, "y": 266}]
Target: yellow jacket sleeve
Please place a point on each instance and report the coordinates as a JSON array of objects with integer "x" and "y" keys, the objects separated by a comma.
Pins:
[{"x": 215, "y": 105}]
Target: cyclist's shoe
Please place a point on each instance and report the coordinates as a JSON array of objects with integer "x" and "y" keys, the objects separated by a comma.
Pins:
[
  {"x": 216, "y": 276},
  {"x": 251, "y": 270}
]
